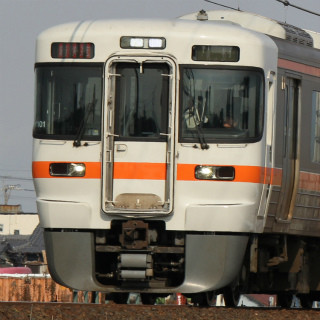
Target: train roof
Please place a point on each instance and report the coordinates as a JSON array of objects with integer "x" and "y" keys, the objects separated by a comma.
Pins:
[
  {"x": 260, "y": 24},
  {"x": 180, "y": 35}
]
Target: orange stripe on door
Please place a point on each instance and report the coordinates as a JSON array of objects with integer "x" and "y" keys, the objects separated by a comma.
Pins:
[
  {"x": 138, "y": 170},
  {"x": 41, "y": 169}
]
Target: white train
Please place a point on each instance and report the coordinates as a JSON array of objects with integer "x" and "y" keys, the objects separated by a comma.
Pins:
[{"x": 180, "y": 156}]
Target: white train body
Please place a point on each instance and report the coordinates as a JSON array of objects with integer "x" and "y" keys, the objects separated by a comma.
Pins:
[{"x": 141, "y": 183}]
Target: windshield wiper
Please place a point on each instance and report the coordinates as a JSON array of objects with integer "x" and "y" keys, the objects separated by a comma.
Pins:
[
  {"x": 90, "y": 108},
  {"x": 200, "y": 134},
  {"x": 202, "y": 141}
]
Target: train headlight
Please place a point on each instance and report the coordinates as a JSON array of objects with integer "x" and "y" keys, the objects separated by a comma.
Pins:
[
  {"x": 142, "y": 43},
  {"x": 156, "y": 43},
  {"x": 136, "y": 43},
  {"x": 205, "y": 172},
  {"x": 214, "y": 173},
  {"x": 67, "y": 169},
  {"x": 77, "y": 169}
]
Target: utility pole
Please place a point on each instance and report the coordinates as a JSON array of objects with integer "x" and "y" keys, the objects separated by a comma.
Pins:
[{"x": 7, "y": 191}]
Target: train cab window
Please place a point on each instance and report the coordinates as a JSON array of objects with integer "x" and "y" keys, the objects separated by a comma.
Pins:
[
  {"x": 68, "y": 101},
  {"x": 223, "y": 105},
  {"x": 316, "y": 126}
]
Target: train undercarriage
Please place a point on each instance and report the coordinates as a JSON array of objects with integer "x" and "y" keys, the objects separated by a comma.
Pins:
[
  {"x": 287, "y": 266},
  {"x": 143, "y": 256},
  {"x": 140, "y": 255}
]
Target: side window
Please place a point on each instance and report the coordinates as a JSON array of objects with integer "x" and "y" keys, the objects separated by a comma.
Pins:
[{"x": 316, "y": 126}]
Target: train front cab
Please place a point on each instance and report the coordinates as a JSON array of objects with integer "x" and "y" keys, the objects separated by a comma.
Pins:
[{"x": 186, "y": 152}]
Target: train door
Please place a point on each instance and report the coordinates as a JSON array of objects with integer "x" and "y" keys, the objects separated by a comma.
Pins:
[
  {"x": 290, "y": 162},
  {"x": 139, "y": 145}
]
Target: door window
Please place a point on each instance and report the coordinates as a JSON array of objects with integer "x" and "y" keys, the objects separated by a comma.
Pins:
[{"x": 142, "y": 92}]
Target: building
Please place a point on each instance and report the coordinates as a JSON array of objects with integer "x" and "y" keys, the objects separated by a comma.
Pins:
[
  {"x": 13, "y": 222},
  {"x": 24, "y": 250}
]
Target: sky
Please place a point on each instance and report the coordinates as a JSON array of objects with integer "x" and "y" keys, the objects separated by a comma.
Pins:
[{"x": 20, "y": 23}]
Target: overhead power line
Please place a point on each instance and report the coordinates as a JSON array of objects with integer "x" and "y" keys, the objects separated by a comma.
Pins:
[
  {"x": 287, "y": 3},
  {"x": 222, "y": 5},
  {"x": 284, "y": 2},
  {"x": 15, "y": 178}
]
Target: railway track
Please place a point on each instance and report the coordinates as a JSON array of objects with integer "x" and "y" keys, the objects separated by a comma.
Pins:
[{"x": 76, "y": 311}]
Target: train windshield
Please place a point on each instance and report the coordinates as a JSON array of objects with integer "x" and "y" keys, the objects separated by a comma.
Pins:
[
  {"x": 68, "y": 102},
  {"x": 221, "y": 105}
]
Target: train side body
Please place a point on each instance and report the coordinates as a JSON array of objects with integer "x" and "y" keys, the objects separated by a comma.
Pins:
[{"x": 295, "y": 200}]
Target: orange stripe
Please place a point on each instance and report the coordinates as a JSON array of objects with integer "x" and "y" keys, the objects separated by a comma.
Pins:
[
  {"x": 252, "y": 174},
  {"x": 299, "y": 67},
  {"x": 40, "y": 169},
  {"x": 185, "y": 172},
  {"x": 309, "y": 181},
  {"x": 277, "y": 177},
  {"x": 138, "y": 170}
]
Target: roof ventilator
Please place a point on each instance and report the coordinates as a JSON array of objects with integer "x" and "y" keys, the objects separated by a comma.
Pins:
[{"x": 297, "y": 35}]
